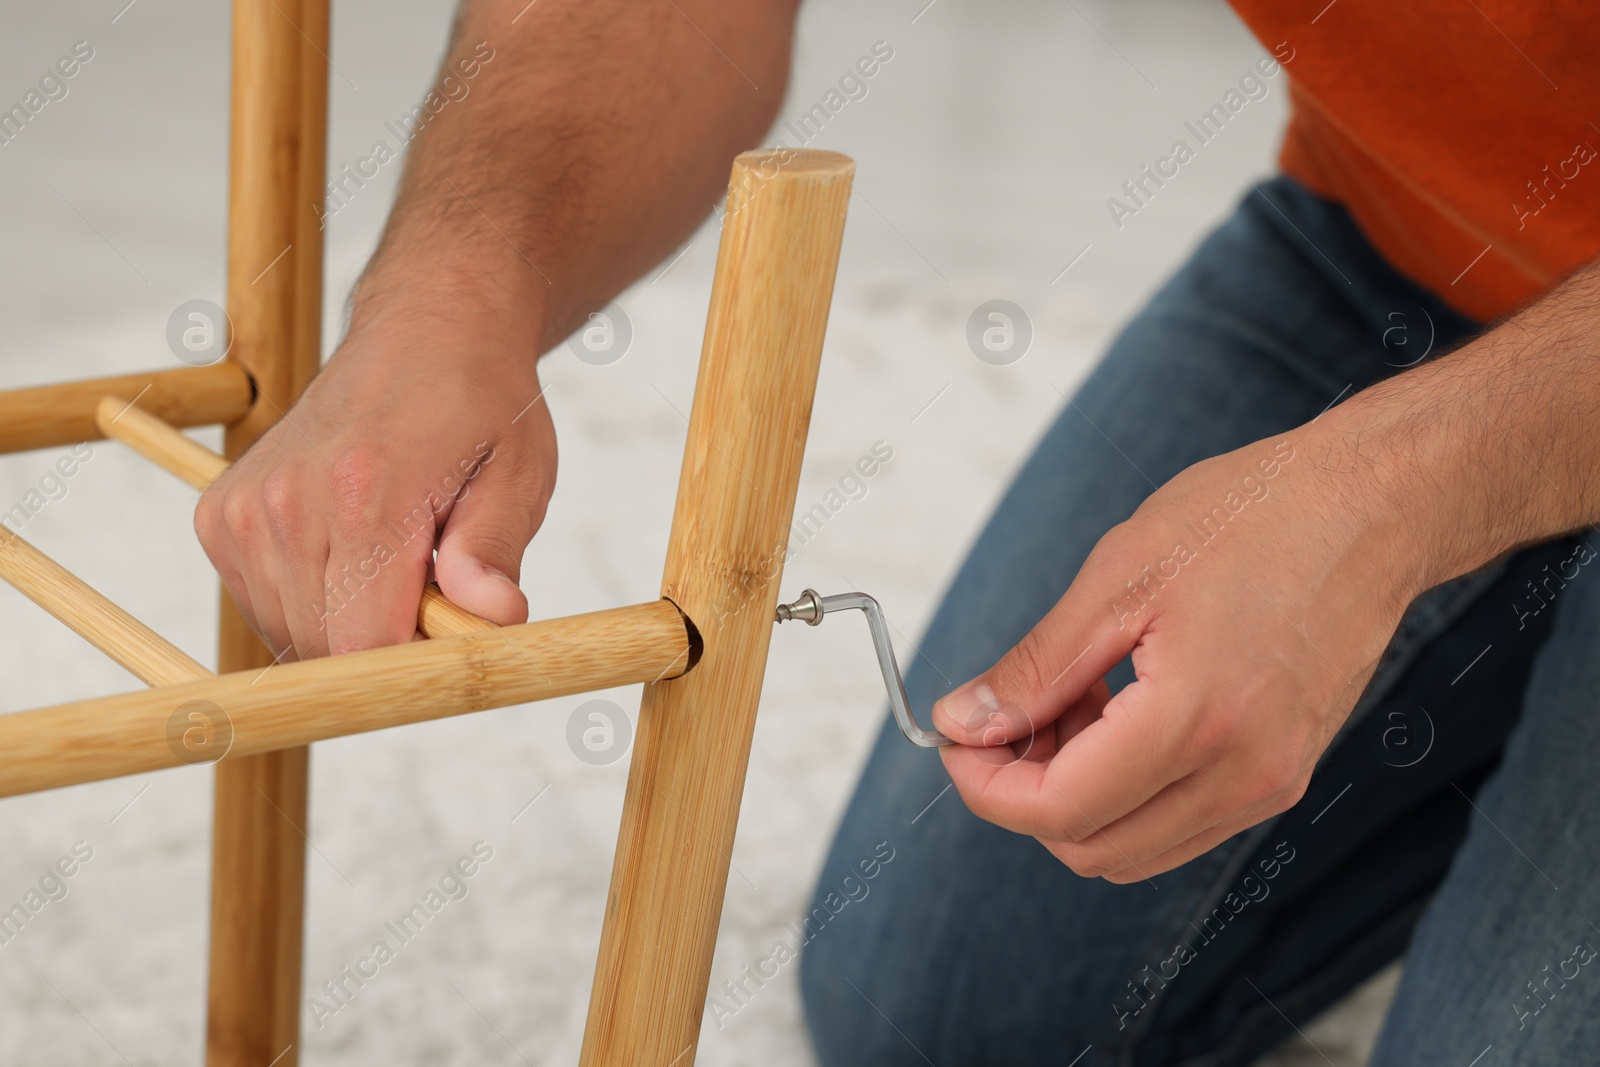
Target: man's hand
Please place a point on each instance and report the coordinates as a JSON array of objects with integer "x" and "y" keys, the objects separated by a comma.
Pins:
[
  {"x": 324, "y": 532},
  {"x": 1257, "y": 590},
  {"x": 1255, "y": 602},
  {"x": 571, "y": 145}
]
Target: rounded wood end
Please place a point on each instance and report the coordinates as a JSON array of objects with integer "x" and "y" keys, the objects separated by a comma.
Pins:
[
  {"x": 771, "y": 163},
  {"x": 107, "y": 411}
]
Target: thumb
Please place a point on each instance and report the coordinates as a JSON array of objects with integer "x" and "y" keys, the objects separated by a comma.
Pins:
[
  {"x": 1074, "y": 646},
  {"x": 480, "y": 552}
]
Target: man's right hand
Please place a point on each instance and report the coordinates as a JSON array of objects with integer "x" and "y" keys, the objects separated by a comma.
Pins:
[
  {"x": 414, "y": 434},
  {"x": 582, "y": 141}
]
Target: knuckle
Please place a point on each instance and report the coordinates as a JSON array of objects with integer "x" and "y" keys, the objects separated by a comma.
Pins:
[
  {"x": 1071, "y": 828},
  {"x": 1024, "y": 669},
  {"x": 280, "y": 503},
  {"x": 536, "y": 506},
  {"x": 499, "y": 547},
  {"x": 1214, "y": 731},
  {"x": 1080, "y": 862},
  {"x": 357, "y": 475},
  {"x": 1289, "y": 795},
  {"x": 279, "y": 493},
  {"x": 1113, "y": 557},
  {"x": 208, "y": 520},
  {"x": 240, "y": 518},
  {"x": 1277, "y": 772},
  {"x": 979, "y": 803}
]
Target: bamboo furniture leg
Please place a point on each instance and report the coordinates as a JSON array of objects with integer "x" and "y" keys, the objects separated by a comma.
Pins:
[
  {"x": 276, "y": 173},
  {"x": 741, "y": 466},
  {"x": 138, "y": 649}
]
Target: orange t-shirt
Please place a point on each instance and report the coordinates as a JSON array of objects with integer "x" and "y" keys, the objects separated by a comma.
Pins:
[{"x": 1462, "y": 135}]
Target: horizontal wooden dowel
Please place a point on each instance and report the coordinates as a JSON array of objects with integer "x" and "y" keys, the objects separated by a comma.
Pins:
[
  {"x": 294, "y": 704},
  {"x": 47, "y": 416},
  {"x": 164, "y": 445},
  {"x": 145, "y": 653},
  {"x": 158, "y": 441},
  {"x": 437, "y": 617}
]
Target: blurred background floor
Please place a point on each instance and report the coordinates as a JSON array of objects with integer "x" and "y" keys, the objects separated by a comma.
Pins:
[{"x": 987, "y": 147}]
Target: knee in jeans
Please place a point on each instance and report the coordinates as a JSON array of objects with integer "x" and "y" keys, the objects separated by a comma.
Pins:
[
  {"x": 849, "y": 1030},
  {"x": 850, "y": 985}
]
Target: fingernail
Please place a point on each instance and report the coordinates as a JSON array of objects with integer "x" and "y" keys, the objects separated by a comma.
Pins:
[
  {"x": 496, "y": 572},
  {"x": 970, "y": 706}
]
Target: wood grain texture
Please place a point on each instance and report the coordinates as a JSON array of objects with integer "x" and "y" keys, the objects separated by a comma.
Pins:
[
  {"x": 437, "y": 617},
  {"x": 294, "y": 704},
  {"x": 277, "y": 163},
  {"x": 49, "y": 416},
  {"x": 752, "y": 405},
  {"x": 129, "y": 642},
  {"x": 158, "y": 441},
  {"x": 165, "y": 446}
]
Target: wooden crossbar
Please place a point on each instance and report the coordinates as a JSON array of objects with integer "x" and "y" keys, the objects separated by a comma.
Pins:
[
  {"x": 158, "y": 441},
  {"x": 166, "y": 447},
  {"x": 145, "y": 653},
  {"x": 48, "y": 416},
  {"x": 294, "y": 704}
]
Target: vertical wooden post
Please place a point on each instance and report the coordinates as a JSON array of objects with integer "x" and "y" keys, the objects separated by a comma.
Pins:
[
  {"x": 741, "y": 467},
  {"x": 277, "y": 162}
]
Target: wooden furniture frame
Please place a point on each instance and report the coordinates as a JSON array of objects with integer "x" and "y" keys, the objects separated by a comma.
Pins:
[{"x": 700, "y": 650}]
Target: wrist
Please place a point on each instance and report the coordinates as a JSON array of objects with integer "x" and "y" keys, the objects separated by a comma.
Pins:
[
  {"x": 1361, "y": 520},
  {"x": 427, "y": 324},
  {"x": 431, "y": 280},
  {"x": 1416, "y": 455}
]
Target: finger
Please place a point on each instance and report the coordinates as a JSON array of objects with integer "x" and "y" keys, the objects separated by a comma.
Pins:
[
  {"x": 266, "y": 608},
  {"x": 1072, "y": 647},
  {"x": 217, "y": 538},
  {"x": 1008, "y": 784},
  {"x": 1213, "y": 836},
  {"x": 480, "y": 550},
  {"x": 1182, "y": 853},
  {"x": 1178, "y": 855},
  {"x": 233, "y": 533},
  {"x": 298, "y": 568},
  {"x": 1232, "y": 788},
  {"x": 1110, "y": 767},
  {"x": 233, "y": 582},
  {"x": 1040, "y": 745},
  {"x": 1181, "y": 812},
  {"x": 1126, "y": 873},
  {"x": 1220, "y": 795},
  {"x": 378, "y": 552}
]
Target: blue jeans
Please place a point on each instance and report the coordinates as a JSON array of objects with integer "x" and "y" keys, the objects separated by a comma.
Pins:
[{"x": 1455, "y": 820}]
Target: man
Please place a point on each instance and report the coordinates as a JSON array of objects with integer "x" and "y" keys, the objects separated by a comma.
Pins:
[{"x": 1265, "y": 539}]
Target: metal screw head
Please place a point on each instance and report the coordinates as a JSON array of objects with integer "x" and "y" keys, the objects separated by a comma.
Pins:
[{"x": 807, "y": 609}]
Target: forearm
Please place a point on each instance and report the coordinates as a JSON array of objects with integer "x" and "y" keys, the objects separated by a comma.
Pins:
[
  {"x": 1491, "y": 447},
  {"x": 589, "y": 146}
]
